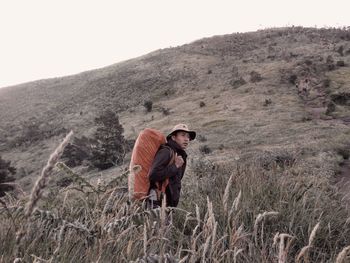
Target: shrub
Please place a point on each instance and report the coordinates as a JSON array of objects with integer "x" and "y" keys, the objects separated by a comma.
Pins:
[
  {"x": 329, "y": 59},
  {"x": 306, "y": 117},
  {"x": 255, "y": 76},
  {"x": 292, "y": 79},
  {"x": 308, "y": 62},
  {"x": 340, "y": 50},
  {"x": 330, "y": 108},
  {"x": 202, "y": 104},
  {"x": 202, "y": 168},
  {"x": 201, "y": 138},
  {"x": 341, "y": 63},
  {"x": 165, "y": 111},
  {"x": 148, "y": 105},
  {"x": 31, "y": 131},
  {"x": 236, "y": 83},
  {"x": 205, "y": 149},
  {"x": 344, "y": 152},
  {"x": 79, "y": 150},
  {"x": 64, "y": 181},
  {"x": 288, "y": 76},
  {"x": 341, "y": 98},
  {"x": 34, "y": 130},
  {"x": 280, "y": 158},
  {"x": 347, "y": 52},
  {"x": 267, "y": 102},
  {"x": 326, "y": 83},
  {"x": 6, "y": 170},
  {"x": 330, "y": 63}
]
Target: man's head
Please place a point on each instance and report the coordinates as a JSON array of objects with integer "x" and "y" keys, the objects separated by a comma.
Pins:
[{"x": 181, "y": 135}]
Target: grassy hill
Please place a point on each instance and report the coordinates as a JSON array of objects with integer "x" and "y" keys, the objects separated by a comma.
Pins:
[
  {"x": 275, "y": 100},
  {"x": 246, "y": 81}
]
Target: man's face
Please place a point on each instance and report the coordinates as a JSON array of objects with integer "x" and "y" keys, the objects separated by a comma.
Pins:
[{"x": 182, "y": 138}]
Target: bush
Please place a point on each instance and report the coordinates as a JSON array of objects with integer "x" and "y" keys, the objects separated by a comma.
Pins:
[
  {"x": 79, "y": 150},
  {"x": 341, "y": 98},
  {"x": 306, "y": 117},
  {"x": 6, "y": 170},
  {"x": 347, "y": 52},
  {"x": 330, "y": 63},
  {"x": 340, "y": 50},
  {"x": 279, "y": 158},
  {"x": 202, "y": 104},
  {"x": 340, "y": 63},
  {"x": 343, "y": 152},
  {"x": 201, "y": 138},
  {"x": 34, "y": 130},
  {"x": 329, "y": 59},
  {"x": 255, "y": 76},
  {"x": 236, "y": 83},
  {"x": 64, "y": 181},
  {"x": 205, "y": 149},
  {"x": 165, "y": 111},
  {"x": 292, "y": 79},
  {"x": 267, "y": 102},
  {"x": 330, "y": 108},
  {"x": 326, "y": 83},
  {"x": 308, "y": 62},
  {"x": 148, "y": 105}
]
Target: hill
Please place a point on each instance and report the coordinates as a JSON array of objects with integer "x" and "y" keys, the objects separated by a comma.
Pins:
[
  {"x": 267, "y": 176},
  {"x": 282, "y": 91}
]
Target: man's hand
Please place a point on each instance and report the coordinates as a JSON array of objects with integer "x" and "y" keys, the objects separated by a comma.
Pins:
[{"x": 178, "y": 160}]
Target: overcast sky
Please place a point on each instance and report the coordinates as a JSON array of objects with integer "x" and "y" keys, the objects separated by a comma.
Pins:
[{"x": 51, "y": 38}]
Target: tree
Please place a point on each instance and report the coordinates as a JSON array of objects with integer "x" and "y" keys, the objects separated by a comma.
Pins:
[
  {"x": 79, "y": 150},
  {"x": 110, "y": 145},
  {"x": 106, "y": 149}
]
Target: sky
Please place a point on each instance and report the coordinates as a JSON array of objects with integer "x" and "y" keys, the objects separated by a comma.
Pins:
[{"x": 51, "y": 38}]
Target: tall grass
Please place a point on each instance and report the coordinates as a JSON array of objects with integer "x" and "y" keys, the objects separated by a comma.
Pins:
[{"x": 237, "y": 214}]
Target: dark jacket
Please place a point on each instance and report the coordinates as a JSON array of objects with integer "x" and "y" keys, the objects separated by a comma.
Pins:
[{"x": 160, "y": 170}]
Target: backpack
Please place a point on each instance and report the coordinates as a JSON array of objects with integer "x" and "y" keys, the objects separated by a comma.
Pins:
[{"x": 147, "y": 144}]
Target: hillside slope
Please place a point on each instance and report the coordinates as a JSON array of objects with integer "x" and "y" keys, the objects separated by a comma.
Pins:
[{"x": 271, "y": 95}]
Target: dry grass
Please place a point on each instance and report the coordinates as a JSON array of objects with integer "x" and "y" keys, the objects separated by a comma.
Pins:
[{"x": 100, "y": 226}]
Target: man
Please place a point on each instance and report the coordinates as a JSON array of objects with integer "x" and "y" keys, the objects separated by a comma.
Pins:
[{"x": 170, "y": 163}]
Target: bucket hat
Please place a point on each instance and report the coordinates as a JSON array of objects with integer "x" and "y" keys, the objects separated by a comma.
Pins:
[{"x": 182, "y": 127}]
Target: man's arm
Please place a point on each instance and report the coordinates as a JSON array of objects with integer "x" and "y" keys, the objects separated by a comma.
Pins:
[{"x": 160, "y": 170}]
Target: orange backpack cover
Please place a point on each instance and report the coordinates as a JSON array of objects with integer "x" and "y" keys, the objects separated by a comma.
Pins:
[{"x": 144, "y": 151}]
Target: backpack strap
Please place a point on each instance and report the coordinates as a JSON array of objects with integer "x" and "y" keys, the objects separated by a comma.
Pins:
[{"x": 161, "y": 186}]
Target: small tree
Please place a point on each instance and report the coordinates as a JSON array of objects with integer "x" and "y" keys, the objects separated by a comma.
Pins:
[
  {"x": 111, "y": 146},
  {"x": 79, "y": 150},
  {"x": 106, "y": 149},
  {"x": 6, "y": 170}
]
